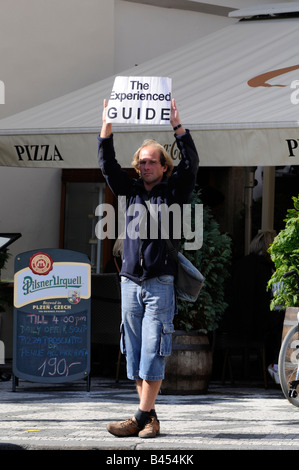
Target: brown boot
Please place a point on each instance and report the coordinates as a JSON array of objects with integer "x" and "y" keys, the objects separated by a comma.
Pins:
[
  {"x": 126, "y": 428},
  {"x": 151, "y": 429}
]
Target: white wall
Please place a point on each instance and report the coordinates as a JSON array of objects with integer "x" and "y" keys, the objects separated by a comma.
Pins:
[
  {"x": 51, "y": 47},
  {"x": 29, "y": 204}
]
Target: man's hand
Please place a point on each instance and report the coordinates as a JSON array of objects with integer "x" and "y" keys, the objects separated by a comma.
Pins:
[
  {"x": 175, "y": 118},
  {"x": 106, "y": 127}
]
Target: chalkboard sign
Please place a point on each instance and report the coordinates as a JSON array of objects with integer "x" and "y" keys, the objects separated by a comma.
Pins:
[{"x": 51, "y": 317}]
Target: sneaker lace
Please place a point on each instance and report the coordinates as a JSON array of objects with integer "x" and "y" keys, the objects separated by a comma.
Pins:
[{"x": 127, "y": 421}]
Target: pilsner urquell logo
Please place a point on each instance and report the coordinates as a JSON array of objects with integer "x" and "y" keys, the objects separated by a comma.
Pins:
[
  {"x": 32, "y": 285},
  {"x": 41, "y": 264}
]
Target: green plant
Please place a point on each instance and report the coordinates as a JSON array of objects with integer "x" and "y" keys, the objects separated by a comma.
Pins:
[
  {"x": 213, "y": 260},
  {"x": 284, "y": 253},
  {"x": 3, "y": 258}
]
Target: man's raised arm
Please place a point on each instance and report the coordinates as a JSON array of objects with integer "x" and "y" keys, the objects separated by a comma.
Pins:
[
  {"x": 106, "y": 126},
  {"x": 175, "y": 120}
]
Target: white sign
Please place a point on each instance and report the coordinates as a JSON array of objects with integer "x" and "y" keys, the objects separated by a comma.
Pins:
[{"x": 140, "y": 100}]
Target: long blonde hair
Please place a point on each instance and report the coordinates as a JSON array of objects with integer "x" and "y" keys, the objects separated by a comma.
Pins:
[{"x": 164, "y": 157}]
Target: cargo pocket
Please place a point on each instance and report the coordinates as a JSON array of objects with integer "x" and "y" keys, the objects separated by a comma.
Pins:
[
  {"x": 166, "y": 339},
  {"x": 122, "y": 339}
]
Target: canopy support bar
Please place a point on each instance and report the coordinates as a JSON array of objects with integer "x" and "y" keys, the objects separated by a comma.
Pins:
[{"x": 268, "y": 198}]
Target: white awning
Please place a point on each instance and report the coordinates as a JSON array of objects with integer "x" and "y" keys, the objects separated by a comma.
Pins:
[
  {"x": 272, "y": 9},
  {"x": 237, "y": 115}
]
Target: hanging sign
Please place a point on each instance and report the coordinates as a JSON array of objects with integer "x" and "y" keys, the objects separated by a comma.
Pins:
[
  {"x": 51, "y": 316},
  {"x": 140, "y": 100}
]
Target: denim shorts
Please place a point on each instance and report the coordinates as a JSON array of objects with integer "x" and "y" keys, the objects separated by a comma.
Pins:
[{"x": 147, "y": 325}]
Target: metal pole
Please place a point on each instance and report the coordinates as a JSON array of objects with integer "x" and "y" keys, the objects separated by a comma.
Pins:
[
  {"x": 268, "y": 198},
  {"x": 249, "y": 185}
]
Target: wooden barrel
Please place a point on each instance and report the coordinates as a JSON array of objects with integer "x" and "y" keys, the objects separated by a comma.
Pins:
[
  {"x": 188, "y": 369},
  {"x": 290, "y": 319}
]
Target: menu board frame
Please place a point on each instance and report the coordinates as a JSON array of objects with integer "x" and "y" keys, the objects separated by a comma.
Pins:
[{"x": 52, "y": 317}]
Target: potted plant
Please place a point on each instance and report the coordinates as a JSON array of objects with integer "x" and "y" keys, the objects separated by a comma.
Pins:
[
  {"x": 3, "y": 259},
  {"x": 284, "y": 253},
  {"x": 189, "y": 367}
]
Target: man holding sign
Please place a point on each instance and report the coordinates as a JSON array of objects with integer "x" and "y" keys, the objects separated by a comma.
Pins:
[{"x": 147, "y": 274}]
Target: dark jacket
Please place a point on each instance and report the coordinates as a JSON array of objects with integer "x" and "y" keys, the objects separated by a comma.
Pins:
[{"x": 148, "y": 258}]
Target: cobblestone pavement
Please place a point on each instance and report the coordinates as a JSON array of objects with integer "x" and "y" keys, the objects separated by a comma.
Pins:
[{"x": 41, "y": 416}]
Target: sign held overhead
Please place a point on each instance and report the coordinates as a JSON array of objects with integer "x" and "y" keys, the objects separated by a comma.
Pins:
[{"x": 140, "y": 100}]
